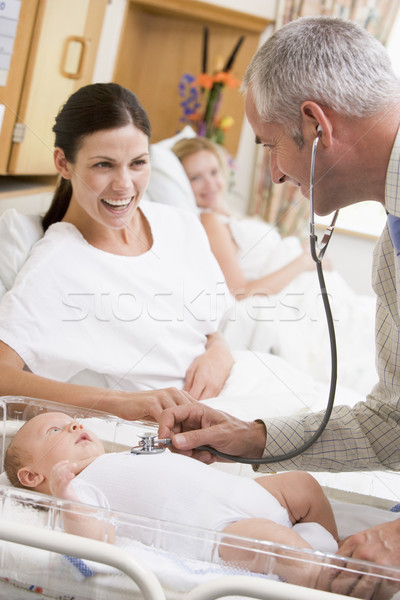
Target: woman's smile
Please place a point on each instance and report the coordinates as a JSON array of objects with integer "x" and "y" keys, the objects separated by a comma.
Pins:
[{"x": 117, "y": 205}]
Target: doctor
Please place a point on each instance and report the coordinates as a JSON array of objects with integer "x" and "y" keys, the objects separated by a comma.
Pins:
[{"x": 330, "y": 74}]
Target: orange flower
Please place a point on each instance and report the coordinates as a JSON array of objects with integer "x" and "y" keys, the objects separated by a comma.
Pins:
[
  {"x": 226, "y": 79},
  {"x": 204, "y": 81}
]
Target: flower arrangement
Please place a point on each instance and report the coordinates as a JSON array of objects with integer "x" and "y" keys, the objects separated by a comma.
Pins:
[{"x": 201, "y": 96}]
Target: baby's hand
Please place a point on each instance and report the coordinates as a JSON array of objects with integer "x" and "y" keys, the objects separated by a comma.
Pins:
[{"x": 60, "y": 478}]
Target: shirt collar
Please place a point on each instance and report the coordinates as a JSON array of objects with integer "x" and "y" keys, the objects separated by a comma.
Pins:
[{"x": 392, "y": 185}]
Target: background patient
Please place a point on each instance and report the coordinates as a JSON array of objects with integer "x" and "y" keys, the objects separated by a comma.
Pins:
[
  {"x": 275, "y": 279},
  {"x": 52, "y": 453},
  {"x": 206, "y": 168}
]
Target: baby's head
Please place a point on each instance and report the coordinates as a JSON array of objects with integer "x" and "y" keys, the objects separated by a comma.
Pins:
[
  {"x": 42, "y": 442},
  {"x": 206, "y": 168}
]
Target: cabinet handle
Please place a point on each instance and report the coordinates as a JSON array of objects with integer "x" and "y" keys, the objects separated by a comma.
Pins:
[{"x": 83, "y": 43}]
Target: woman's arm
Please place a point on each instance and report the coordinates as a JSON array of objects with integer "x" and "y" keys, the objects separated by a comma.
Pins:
[
  {"x": 14, "y": 381},
  {"x": 208, "y": 373},
  {"x": 225, "y": 251}
]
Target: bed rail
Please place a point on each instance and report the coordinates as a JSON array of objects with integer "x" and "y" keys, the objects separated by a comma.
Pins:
[
  {"x": 80, "y": 547},
  {"x": 262, "y": 589}
]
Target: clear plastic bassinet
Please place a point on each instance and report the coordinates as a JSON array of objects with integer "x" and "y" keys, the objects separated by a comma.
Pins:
[{"x": 38, "y": 557}]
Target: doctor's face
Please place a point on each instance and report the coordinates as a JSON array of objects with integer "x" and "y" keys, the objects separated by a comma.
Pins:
[
  {"x": 290, "y": 163},
  {"x": 287, "y": 161}
]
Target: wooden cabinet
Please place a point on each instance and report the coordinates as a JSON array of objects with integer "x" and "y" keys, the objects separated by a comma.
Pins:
[
  {"x": 161, "y": 40},
  {"x": 54, "y": 54}
]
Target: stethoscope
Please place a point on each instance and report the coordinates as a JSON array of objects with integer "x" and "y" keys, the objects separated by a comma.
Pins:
[{"x": 150, "y": 444}]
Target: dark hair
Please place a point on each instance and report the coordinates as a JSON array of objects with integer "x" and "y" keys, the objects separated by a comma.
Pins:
[{"x": 90, "y": 109}]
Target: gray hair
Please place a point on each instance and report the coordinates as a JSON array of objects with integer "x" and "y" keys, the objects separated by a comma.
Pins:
[{"x": 333, "y": 62}]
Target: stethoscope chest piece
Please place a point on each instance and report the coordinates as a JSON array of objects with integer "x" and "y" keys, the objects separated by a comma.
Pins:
[{"x": 149, "y": 444}]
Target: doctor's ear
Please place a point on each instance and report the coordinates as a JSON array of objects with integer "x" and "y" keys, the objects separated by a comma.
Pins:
[
  {"x": 29, "y": 478},
  {"x": 315, "y": 122}
]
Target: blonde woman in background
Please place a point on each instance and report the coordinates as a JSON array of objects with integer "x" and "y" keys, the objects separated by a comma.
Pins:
[{"x": 275, "y": 281}]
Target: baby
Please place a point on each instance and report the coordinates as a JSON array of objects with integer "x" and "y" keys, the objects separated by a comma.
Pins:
[{"x": 52, "y": 453}]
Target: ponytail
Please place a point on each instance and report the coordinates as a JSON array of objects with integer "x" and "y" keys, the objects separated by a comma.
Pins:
[{"x": 59, "y": 204}]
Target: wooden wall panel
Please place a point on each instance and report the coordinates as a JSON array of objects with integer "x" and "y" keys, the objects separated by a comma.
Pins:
[{"x": 159, "y": 45}]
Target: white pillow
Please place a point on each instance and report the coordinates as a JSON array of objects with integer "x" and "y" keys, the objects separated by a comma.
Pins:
[
  {"x": 169, "y": 183},
  {"x": 18, "y": 233},
  {"x": 187, "y": 132}
]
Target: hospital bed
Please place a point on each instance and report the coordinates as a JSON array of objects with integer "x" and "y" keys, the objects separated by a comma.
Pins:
[{"x": 38, "y": 559}]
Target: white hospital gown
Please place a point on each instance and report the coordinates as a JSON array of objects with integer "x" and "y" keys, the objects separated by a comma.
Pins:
[
  {"x": 292, "y": 323},
  {"x": 138, "y": 321}
]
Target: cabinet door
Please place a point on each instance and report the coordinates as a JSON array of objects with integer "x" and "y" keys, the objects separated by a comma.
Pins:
[
  {"x": 61, "y": 60},
  {"x": 10, "y": 94}
]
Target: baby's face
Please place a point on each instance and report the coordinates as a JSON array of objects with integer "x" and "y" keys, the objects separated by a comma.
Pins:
[{"x": 51, "y": 437}]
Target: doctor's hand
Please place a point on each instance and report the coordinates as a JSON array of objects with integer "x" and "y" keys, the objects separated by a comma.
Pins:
[
  {"x": 208, "y": 373},
  {"x": 379, "y": 544},
  {"x": 194, "y": 425}
]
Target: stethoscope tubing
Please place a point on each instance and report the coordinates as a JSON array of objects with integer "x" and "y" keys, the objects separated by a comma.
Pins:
[{"x": 317, "y": 256}]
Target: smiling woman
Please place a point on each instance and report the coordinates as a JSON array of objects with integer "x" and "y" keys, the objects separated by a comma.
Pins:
[
  {"x": 108, "y": 177},
  {"x": 104, "y": 248},
  {"x": 107, "y": 164}
]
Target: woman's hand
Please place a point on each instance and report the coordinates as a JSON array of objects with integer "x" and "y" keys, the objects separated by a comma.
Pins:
[
  {"x": 142, "y": 405},
  {"x": 208, "y": 373}
]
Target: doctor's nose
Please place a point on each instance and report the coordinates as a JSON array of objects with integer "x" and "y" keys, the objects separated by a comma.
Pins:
[{"x": 276, "y": 174}]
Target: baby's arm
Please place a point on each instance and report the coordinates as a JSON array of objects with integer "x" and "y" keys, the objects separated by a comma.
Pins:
[
  {"x": 61, "y": 476},
  {"x": 77, "y": 521}
]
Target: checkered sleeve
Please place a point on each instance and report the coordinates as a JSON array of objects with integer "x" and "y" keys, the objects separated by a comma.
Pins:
[{"x": 358, "y": 438}]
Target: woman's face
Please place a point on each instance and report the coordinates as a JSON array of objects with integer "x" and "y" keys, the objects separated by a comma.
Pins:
[
  {"x": 109, "y": 176},
  {"x": 206, "y": 178}
]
